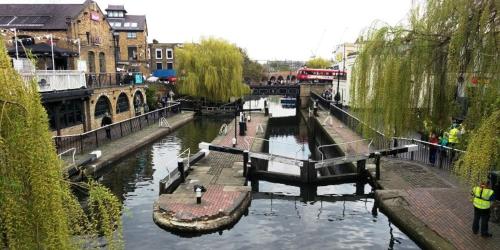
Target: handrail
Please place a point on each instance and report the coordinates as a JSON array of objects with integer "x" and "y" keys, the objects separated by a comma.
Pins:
[
  {"x": 126, "y": 120},
  {"x": 337, "y": 144},
  {"x": 271, "y": 155},
  {"x": 188, "y": 150},
  {"x": 428, "y": 143},
  {"x": 71, "y": 149}
]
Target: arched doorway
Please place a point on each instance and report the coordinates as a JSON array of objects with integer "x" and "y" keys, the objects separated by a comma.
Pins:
[
  {"x": 138, "y": 102},
  {"x": 102, "y": 106},
  {"x": 122, "y": 104}
]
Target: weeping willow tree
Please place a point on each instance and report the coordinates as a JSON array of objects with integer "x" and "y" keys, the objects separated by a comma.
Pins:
[
  {"x": 212, "y": 69},
  {"x": 37, "y": 207},
  {"x": 318, "y": 63},
  {"x": 444, "y": 64}
]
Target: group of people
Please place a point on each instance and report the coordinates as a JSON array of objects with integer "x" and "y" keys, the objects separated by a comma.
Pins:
[
  {"x": 327, "y": 94},
  {"x": 450, "y": 138}
]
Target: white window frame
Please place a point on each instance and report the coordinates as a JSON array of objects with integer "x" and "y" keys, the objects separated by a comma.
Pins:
[
  {"x": 156, "y": 54},
  {"x": 156, "y": 65},
  {"x": 131, "y": 35},
  {"x": 119, "y": 14},
  {"x": 133, "y": 25},
  {"x": 171, "y": 53},
  {"x": 127, "y": 24}
]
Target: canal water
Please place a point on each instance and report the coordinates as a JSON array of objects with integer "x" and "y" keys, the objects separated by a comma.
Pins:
[{"x": 278, "y": 218}]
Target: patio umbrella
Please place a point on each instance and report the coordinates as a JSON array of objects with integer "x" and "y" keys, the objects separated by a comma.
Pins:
[{"x": 42, "y": 49}]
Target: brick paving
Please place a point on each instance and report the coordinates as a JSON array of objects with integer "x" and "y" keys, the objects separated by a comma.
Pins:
[
  {"x": 434, "y": 196},
  {"x": 222, "y": 176}
]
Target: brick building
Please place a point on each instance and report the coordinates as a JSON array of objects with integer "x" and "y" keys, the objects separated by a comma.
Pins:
[
  {"x": 131, "y": 36},
  {"x": 78, "y": 82},
  {"x": 163, "y": 59}
]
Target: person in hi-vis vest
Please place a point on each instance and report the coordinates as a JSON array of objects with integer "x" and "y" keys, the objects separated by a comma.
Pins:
[{"x": 482, "y": 197}]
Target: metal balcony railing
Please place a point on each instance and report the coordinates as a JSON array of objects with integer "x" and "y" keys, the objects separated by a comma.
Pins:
[{"x": 56, "y": 80}]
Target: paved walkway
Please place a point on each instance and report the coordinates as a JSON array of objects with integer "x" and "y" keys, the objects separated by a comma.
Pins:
[
  {"x": 226, "y": 198},
  {"x": 116, "y": 149},
  {"x": 429, "y": 203}
]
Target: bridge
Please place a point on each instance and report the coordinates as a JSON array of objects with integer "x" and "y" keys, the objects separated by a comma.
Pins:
[{"x": 302, "y": 90}]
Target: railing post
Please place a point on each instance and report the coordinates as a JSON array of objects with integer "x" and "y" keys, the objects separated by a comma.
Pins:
[
  {"x": 180, "y": 167},
  {"x": 140, "y": 125},
  {"x": 131, "y": 127},
  {"x": 245, "y": 163},
  {"x": 121, "y": 130},
  {"x": 81, "y": 143},
  {"x": 412, "y": 153},
  {"x": 361, "y": 166},
  {"x": 304, "y": 173},
  {"x": 377, "y": 165},
  {"x": 96, "y": 139}
]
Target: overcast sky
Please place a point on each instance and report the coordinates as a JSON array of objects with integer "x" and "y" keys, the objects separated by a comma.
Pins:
[{"x": 267, "y": 29}]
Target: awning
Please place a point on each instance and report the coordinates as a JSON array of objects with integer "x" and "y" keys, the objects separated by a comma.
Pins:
[{"x": 43, "y": 50}]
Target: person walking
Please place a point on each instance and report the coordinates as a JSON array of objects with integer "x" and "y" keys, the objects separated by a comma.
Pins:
[
  {"x": 483, "y": 196},
  {"x": 106, "y": 120},
  {"x": 433, "y": 148}
]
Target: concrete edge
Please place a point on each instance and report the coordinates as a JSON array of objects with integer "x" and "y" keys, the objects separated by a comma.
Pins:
[
  {"x": 392, "y": 204},
  {"x": 168, "y": 222},
  {"x": 120, "y": 153}
]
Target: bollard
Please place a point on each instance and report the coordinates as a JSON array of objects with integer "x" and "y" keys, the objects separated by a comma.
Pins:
[
  {"x": 377, "y": 165},
  {"x": 180, "y": 167},
  {"x": 234, "y": 142},
  {"x": 198, "y": 195},
  {"x": 412, "y": 153},
  {"x": 199, "y": 189},
  {"x": 245, "y": 163},
  {"x": 312, "y": 175}
]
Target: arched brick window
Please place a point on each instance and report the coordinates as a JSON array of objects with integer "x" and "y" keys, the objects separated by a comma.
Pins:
[
  {"x": 102, "y": 106},
  {"x": 122, "y": 104}
]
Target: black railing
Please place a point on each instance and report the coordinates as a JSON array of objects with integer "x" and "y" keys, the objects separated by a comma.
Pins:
[
  {"x": 355, "y": 124},
  {"x": 429, "y": 153},
  {"x": 103, "y": 80},
  {"x": 426, "y": 153},
  {"x": 93, "y": 139}
]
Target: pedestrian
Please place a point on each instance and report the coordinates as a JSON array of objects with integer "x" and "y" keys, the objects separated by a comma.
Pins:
[
  {"x": 315, "y": 108},
  {"x": 106, "y": 120},
  {"x": 453, "y": 134},
  {"x": 433, "y": 140},
  {"x": 483, "y": 196}
]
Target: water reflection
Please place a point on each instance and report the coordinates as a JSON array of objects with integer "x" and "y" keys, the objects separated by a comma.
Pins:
[{"x": 280, "y": 219}]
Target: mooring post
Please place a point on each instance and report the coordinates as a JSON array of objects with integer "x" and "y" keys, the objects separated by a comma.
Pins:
[
  {"x": 180, "y": 167},
  {"x": 412, "y": 153},
  {"x": 245, "y": 163},
  {"x": 377, "y": 165}
]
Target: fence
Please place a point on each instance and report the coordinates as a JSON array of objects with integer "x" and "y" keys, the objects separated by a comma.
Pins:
[
  {"x": 52, "y": 80},
  {"x": 93, "y": 139},
  {"x": 102, "y": 80},
  {"x": 379, "y": 139},
  {"x": 427, "y": 153}
]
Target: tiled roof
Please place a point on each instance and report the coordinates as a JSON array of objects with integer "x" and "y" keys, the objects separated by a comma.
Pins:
[
  {"x": 38, "y": 16},
  {"x": 139, "y": 19}
]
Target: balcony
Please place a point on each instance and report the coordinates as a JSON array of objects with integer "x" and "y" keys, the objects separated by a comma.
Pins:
[
  {"x": 56, "y": 80},
  {"x": 106, "y": 80}
]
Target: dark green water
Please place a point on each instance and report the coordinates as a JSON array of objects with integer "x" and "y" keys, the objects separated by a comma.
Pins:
[{"x": 272, "y": 223}]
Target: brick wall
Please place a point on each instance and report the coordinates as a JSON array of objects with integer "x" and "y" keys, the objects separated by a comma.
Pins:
[
  {"x": 112, "y": 95},
  {"x": 140, "y": 42}
]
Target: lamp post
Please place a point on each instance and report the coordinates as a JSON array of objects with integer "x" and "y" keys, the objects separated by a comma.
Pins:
[
  {"x": 117, "y": 54},
  {"x": 337, "y": 95}
]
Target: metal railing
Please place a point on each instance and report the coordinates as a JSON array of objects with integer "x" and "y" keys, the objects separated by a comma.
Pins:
[
  {"x": 67, "y": 151},
  {"x": 103, "y": 80},
  {"x": 93, "y": 139},
  {"x": 296, "y": 159},
  {"x": 351, "y": 148},
  {"x": 429, "y": 153},
  {"x": 352, "y": 122},
  {"x": 54, "y": 80}
]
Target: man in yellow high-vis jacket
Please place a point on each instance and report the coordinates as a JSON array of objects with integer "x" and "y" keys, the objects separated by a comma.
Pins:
[{"x": 483, "y": 196}]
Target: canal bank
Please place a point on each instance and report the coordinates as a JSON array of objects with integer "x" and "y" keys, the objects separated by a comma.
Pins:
[
  {"x": 428, "y": 203},
  {"x": 119, "y": 148},
  {"x": 225, "y": 198}
]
